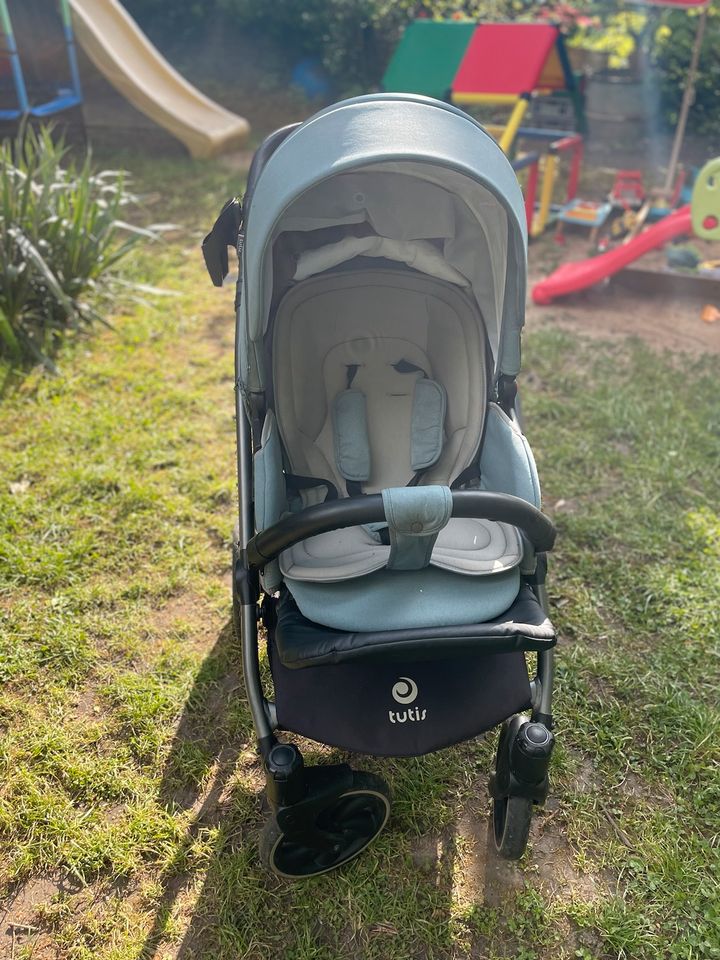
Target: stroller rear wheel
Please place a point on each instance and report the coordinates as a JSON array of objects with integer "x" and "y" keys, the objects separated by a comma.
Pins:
[
  {"x": 511, "y": 825},
  {"x": 340, "y": 831}
]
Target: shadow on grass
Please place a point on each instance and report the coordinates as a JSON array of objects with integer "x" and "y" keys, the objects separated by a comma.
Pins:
[
  {"x": 202, "y": 760},
  {"x": 400, "y": 898}
]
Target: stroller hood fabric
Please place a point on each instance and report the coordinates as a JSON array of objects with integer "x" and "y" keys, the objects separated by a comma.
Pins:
[{"x": 423, "y": 181}]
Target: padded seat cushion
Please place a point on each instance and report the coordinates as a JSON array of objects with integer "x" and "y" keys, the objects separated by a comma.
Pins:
[
  {"x": 301, "y": 643},
  {"x": 377, "y": 331},
  {"x": 406, "y": 599},
  {"x": 472, "y": 547},
  {"x": 380, "y": 375}
]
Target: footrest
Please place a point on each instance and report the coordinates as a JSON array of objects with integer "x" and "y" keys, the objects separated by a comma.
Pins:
[{"x": 302, "y": 643}]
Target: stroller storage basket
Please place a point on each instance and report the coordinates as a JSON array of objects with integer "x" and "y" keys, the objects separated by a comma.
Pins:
[{"x": 400, "y": 708}]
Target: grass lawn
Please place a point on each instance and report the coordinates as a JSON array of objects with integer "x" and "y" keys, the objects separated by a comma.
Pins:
[{"x": 129, "y": 797}]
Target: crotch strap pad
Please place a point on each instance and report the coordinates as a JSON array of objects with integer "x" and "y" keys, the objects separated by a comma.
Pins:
[{"x": 415, "y": 516}]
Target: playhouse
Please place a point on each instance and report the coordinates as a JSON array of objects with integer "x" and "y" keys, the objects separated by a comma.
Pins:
[
  {"x": 497, "y": 64},
  {"x": 511, "y": 66}
]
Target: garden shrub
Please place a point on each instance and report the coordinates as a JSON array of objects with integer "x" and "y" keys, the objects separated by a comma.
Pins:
[
  {"x": 61, "y": 236},
  {"x": 350, "y": 39}
]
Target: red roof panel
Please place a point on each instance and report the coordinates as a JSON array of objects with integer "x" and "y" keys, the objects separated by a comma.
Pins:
[{"x": 505, "y": 58}]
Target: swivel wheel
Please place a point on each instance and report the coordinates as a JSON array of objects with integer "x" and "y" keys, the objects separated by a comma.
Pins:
[{"x": 337, "y": 834}]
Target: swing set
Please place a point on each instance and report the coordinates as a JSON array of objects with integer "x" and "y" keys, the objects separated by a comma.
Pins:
[{"x": 64, "y": 97}]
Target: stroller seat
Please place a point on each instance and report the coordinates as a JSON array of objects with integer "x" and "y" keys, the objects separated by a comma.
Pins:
[
  {"x": 380, "y": 382},
  {"x": 299, "y": 642}
]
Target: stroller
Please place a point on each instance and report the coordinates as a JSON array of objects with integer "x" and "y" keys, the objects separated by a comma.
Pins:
[{"x": 390, "y": 539}]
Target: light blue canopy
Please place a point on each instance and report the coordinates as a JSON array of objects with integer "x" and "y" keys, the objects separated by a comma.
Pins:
[{"x": 414, "y": 170}]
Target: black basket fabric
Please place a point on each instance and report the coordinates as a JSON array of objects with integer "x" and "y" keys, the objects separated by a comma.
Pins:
[{"x": 399, "y": 708}]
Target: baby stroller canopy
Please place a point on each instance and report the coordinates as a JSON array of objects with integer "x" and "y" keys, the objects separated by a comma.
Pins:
[{"x": 396, "y": 177}]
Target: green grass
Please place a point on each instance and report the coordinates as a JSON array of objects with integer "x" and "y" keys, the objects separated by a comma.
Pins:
[{"x": 129, "y": 804}]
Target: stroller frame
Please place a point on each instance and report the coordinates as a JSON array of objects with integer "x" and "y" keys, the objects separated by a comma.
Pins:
[
  {"x": 246, "y": 592},
  {"x": 296, "y": 797},
  {"x": 308, "y": 832}
]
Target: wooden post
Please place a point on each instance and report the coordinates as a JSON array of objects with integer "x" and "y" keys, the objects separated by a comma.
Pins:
[{"x": 688, "y": 97}]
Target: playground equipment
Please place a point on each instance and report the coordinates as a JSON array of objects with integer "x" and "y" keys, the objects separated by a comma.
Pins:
[
  {"x": 579, "y": 275},
  {"x": 705, "y": 203},
  {"x": 499, "y": 64},
  {"x": 555, "y": 144},
  {"x": 701, "y": 217},
  {"x": 496, "y": 64},
  {"x": 428, "y": 56},
  {"x": 122, "y": 52},
  {"x": 628, "y": 190},
  {"x": 590, "y": 214},
  {"x": 65, "y": 97},
  {"x": 507, "y": 64}
]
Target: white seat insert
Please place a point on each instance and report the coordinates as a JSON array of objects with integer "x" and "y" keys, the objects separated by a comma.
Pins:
[{"x": 377, "y": 333}]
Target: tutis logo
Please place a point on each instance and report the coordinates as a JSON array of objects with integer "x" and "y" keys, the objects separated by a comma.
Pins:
[{"x": 405, "y": 691}]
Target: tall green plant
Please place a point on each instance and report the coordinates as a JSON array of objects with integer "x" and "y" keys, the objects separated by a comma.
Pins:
[
  {"x": 61, "y": 235},
  {"x": 673, "y": 49}
]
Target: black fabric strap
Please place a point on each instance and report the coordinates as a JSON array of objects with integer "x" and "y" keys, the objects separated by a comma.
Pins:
[
  {"x": 405, "y": 366},
  {"x": 465, "y": 476},
  {"x": 294, "y": 481}
]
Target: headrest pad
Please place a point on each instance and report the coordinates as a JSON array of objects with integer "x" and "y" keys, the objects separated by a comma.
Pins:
[
  {"x": 427, "y": 424},
  {"x": 350, "y": 435}
]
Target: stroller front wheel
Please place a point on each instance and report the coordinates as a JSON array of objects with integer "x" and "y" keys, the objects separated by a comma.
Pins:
[
  {"x": 339, "y": 833},
  {"x": 511, "y": 825}
]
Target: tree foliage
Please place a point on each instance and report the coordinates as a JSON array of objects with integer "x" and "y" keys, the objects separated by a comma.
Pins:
[
  {"x": 673, "y": 47},
  {"x": 352, "y": 40}
]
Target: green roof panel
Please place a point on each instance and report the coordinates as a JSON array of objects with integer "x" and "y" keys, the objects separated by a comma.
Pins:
[{"x": 428, "y": 56}]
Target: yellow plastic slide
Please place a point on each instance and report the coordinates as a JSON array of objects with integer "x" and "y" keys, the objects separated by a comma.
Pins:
[{"x": 121, "y": 51}]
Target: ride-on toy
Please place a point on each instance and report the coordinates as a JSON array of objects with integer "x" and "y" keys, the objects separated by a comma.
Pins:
[{"x": 390, "y": 538}]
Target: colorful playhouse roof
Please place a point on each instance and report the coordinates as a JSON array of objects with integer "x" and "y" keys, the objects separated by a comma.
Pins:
[
  {"x": 428, "y": 56},
  {"x": 469, "y": 62},
  {"x": 509, "y": 60}
]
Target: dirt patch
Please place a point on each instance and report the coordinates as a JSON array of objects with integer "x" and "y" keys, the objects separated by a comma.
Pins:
[
  {"x": 22, "y": 924},
  {"x": 87, "y": 705},
  {"x": 610, "y": 312},
  {"x": 185, "y": 613},
  {"x": 553, "y": 859},
  {"x": 481, "y": 877},
  {"x": 635, "y": 788},
  {"x": 584, "y": 780}
]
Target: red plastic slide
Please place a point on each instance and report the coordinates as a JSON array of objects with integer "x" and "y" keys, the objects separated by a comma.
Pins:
[{"x": 571, "y": 277}]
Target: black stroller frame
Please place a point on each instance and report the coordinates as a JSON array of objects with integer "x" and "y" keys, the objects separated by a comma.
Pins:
[{"x": 324, "y": 816}]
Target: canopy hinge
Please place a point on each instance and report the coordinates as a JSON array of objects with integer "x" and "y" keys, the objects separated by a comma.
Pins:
[{"x": 507, "y": 393}]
